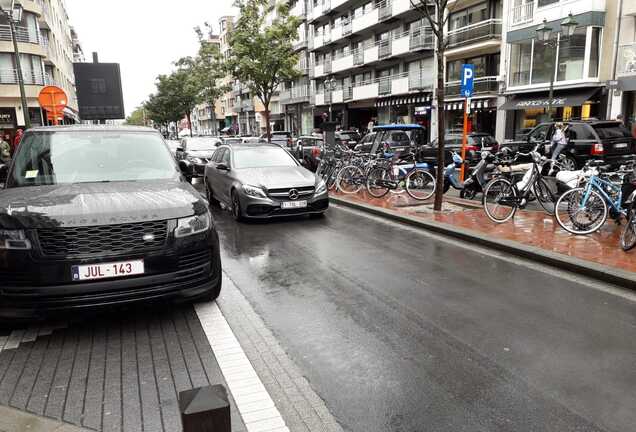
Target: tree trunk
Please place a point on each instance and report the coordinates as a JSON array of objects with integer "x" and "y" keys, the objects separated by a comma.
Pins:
[
  {"x": 439, "y": 191},
  {"x": 213, "y": 115},
  {"x": 268, "y": 128},
  {"x": 189, "y": 123}
]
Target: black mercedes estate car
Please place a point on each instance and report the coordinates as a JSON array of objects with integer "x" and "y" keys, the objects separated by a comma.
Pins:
[{"x": 101, "y": 216}]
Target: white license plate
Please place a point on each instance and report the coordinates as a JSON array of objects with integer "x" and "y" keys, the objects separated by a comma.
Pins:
[
  {"x": 293, "y": 204},
  {"x": 620, "y": 145},
  {"x": 107, "y": 270}
]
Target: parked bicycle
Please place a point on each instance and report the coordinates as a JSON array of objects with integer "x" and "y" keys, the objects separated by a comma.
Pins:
[
  {"x": 399, "y": 174},
  {"x": 504, "y": 196}
]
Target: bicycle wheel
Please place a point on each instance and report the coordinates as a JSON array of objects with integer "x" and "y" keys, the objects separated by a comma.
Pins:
[
  {"x": 420, "y": 184},
  {"x": 579, "y": 217},
  {"x": 375, "y": 175},
  {"x": 331, "y": 177},
  {"x": 350, "y": 179},
  {"x": 500, "y": 200},
  {"x": 628, "y": 235},
  {"x": 545, "y": 196}
]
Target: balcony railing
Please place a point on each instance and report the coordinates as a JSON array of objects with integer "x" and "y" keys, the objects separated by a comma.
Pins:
[
  {"x": 22, "y": 34},
  {"x": 488, "y": 84},
  {"x": 247, "y": 105},
  {"x": 385, "y": 9},
  {"x": 384, "y": 48},
  {"x": 522, "y": 14},
  {"x": 300, "y": 44},
  {"x": 384, "y": 86},
  {"x": 421, "y": 38},
  {"x": 626, "y": 60},
  {"x": 327, "y": 66},
  {"x": 488, "y": 29},
  {"x": 10, "y": 76},
  {"x": 420, "y": 79},
  {"x": 358, "y": 57},
  {"x": 347, "y": 93},
  {"x": 346, "y": 27}
]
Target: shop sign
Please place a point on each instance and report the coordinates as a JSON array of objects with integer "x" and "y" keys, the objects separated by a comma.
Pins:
[
  {"x": 421, "y": 110},
  {"x": 539, "y": 103},
  {"x": 7, "y": 118}
]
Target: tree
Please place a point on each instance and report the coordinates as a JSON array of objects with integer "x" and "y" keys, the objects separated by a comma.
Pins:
[
  {"x": 177, "y": 93},
  {"x": 436, "y": 13},
  {"x": 207, "y": 70},
  {"x": 137, "y": 117},
  {"x": 262, "y": 57},
  {"x": 159, "y": 110}
]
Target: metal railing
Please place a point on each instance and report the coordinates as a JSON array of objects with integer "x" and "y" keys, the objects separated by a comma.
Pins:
[
  {"x": 358, "y": 57},
  {"x": 421, "y": 38},
  {"x": 626, "y": 64},
  {"x": 300, "y": 44},
  {"x": 522, "y": 14},
  {"x": 10, "y": 76},
  {"x": 418, "y": 80},
  {"x": 326, "y": 68},
  {"x": 247, "y": 105},
  {"x": 384, "y": 85},
  {"x": 347, "y": 93},
  {"x": 384, "y": 48},
  {"x": 22, "y": 34},
  {"x": 488, "y": 29},
  {"x": 328, "y": 97},
  {"x": 346, "y": 27},
  {"x": 385, "y": 10},
  {"x": 519, "y": 78},
  {"x": 488, "y": 84}
]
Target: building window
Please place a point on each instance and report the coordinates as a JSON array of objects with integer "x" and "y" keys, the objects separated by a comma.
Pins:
[
  {"x": 471, "y": 15},
  {"x": 572, "y": 56},
  {"x": 594, "y": 52},
  {"x": 543, "y": 60},
  {"x": 520, "y": 63}
]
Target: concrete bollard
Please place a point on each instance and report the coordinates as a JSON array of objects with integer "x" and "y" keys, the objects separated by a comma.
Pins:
[{"x": 205, "y": 409}]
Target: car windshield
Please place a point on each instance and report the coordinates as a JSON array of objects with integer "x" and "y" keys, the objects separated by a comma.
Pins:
[
  {"x": 200, "y": 144},
  {"x": 262, "y": 158},
  {"x": 50, "y": 158}
]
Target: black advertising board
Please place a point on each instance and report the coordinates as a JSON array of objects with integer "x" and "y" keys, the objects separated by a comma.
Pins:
[{"x": 99, "y": 93}]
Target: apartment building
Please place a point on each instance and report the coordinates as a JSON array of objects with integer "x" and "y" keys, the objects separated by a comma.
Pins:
[
  {"x": 581, "y": 64},
  {"x": 624, "y": 96},
  {"x": 46, "y": 56},
  {"x": 78, "y": 51},
  {"x": 206, "y": 119}
]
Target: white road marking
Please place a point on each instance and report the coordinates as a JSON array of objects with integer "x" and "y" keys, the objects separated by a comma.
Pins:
[
  {"x": 30, "y": 334},
  {"x": 257, "y": 409}
]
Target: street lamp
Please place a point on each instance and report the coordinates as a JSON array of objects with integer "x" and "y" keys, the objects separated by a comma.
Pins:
[
  {"x": 330, "y": 85},
  {"x": 12, "y": 11},
  {"x": 546, "y": 36}
]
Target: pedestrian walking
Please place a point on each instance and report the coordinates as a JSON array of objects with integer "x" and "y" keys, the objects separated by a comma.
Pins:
[
  {"x": 370, "y": 126},
  {"x": 5, "y": 149},
  {"x": 17, "y": 139}
]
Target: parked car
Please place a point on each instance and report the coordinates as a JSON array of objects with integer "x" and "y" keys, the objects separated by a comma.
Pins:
[
  {"x": 476, "y": 143},
  {"x": 101, "y": 216},
  {"x": 232, "y": 140},
  {"x": 174, "y": 146},
  {"x": 252, "y": 140},
  {"x": 282, "y": 138},
  {"x": 609, "y": 141},
  {"x": 309, "y": 149},
  {"x": 366, "y": 144},
  {"x": 197, "y": 151},
  {"x": 263, "y": 181},
  {"x": 348, "y": 138},
  {"x": 399, "y": 138}
]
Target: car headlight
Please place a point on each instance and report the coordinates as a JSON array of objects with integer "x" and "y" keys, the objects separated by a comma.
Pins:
[
  {"x": 192, "y": 225},
  {"x": 14, "y": 239},
  {"x": 321, "y": 188},
  {"x": 254, "y": 191}
]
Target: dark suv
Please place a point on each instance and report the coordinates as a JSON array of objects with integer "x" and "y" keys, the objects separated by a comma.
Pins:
[
  {"x": 101, "y": 216},
  {"x": 588, "y": 139}
]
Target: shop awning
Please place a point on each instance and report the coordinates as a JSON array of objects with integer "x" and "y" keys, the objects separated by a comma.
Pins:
[
  {"x": 540, "y": 100},
  {"x": 627, "y": 83}
]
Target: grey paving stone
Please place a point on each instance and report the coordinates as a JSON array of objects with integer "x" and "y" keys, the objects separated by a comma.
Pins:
[
  {"x": 148, "y": 389},
  {"x": 73, "y": 411},
  {"x": 24, "y": 386},
  {"x": 42, "y": 387},
  {"x": 57, "y": 394},
  {"x": 131, "y": 406},
  {"x": 95, "y": 386},
  {"x": 13, "y": 373}
]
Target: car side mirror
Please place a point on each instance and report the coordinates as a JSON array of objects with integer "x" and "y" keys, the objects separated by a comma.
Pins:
[
  {"x": 222, "y": 167},
  {"x": 185, "y": 167},
  {"x": 4, "y": 173}
]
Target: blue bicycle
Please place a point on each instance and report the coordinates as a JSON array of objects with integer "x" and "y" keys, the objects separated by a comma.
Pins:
[{"x": 585, "y": 209}]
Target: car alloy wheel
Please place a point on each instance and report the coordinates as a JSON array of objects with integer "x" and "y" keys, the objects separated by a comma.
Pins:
[{"x": 236, "y": 207}]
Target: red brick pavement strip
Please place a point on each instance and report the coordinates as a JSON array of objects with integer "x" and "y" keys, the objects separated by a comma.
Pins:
[{"x": 529, "y": 228}]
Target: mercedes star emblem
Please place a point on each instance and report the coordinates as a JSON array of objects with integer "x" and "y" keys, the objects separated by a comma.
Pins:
[{"x": 293, "y": 194}]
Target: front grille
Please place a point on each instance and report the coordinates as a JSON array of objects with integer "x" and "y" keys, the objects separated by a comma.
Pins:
[
  {"x": 103, "y": 239},
  {"x": 284, "y": 192},
  {"x": 194, "y": 259}
]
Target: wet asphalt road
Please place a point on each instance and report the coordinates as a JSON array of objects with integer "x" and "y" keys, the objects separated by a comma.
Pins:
[{"x": 401, "y": 331}]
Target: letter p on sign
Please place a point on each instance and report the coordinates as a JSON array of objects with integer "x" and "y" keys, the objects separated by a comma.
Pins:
[{"x": 468, "y": 75}]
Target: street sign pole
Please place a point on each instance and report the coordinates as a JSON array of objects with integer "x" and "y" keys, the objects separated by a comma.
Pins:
[{"x": 468, "y": 75}]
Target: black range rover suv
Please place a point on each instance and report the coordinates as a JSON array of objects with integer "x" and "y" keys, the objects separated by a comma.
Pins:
[{"x": 101, "y": 216}]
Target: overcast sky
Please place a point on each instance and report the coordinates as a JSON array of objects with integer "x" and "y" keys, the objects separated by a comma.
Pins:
[{"x": 144, "y": 36}]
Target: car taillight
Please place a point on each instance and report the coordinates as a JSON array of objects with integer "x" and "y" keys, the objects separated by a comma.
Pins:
[
  {"x": 289, "y": 142},
  {"x": 598, "y": 149},
  {"x": 472, "y": 148},
  {"x": 315, "y": 152}
]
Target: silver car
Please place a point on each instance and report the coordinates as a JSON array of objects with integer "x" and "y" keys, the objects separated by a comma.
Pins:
[{"x": 263, "y": 181}]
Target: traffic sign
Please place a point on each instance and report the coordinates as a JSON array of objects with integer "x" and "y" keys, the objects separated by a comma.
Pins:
[
  {"x": 53, "y": 100},
  {"x": 468, "y": 75}
]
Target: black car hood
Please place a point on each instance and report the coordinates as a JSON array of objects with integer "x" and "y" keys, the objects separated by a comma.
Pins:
[{"x": 90, "y": 204}]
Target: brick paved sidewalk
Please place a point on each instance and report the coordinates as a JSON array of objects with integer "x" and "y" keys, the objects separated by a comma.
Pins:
[{"x": 532, "y": 228}]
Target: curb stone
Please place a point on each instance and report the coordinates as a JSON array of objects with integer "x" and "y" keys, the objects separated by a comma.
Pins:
[{"x": 576, "y": 265}]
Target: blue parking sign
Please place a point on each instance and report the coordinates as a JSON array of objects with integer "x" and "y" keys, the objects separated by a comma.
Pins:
[{"x": 468, "y": 75}]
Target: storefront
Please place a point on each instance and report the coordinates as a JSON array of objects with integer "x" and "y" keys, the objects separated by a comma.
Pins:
[
  {"x": 527, "y": 110},
  {"x": 406, "y": 109},
  {"x": 482, "y": 116},
  {"x": 627, "y": 85}
]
